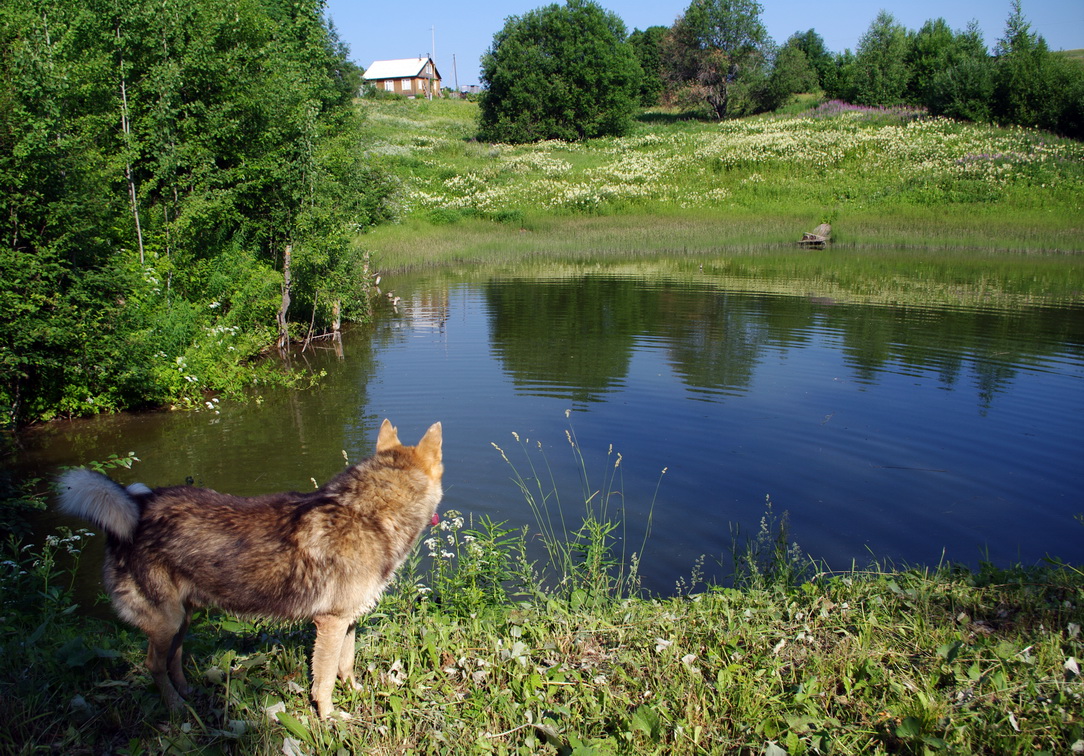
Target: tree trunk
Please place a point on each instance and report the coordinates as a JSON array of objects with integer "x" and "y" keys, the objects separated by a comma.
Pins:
[
  {"x": 284, "y": 334},
  {"x": 126, "y": 129}
]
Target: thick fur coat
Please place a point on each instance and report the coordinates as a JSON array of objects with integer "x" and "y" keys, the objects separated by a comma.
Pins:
[{"x": 326, "y": 555}]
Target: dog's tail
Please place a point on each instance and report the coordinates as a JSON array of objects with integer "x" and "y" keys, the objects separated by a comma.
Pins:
[{"x": 94, "y": 497}]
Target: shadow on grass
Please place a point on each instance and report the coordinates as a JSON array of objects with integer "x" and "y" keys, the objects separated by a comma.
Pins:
[{"x": 661, "y": 117}]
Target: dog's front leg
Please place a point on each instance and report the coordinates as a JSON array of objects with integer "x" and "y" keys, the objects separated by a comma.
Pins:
[{"x": 331, "y": 632}]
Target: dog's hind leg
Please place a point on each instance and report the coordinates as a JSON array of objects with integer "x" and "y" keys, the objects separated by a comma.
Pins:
[
  {"x": 331, "y": 632},
  {"x": 164, "y": 637},
  {"x": 176, "y": 657},
  {"x": 346, "y": 658}
]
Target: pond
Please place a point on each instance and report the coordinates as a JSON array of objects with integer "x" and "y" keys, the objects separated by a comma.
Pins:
[{"x": 915, "y": 419}]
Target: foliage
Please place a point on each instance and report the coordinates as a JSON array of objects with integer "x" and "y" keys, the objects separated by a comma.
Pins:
[
  {"x": 559, "y": 72},
  {"x": 647, "y": 45},
  {"x": 880, "y": 74},
  {"x": 812, "y": 44},
  {"x": 156, "y": 160},
  {"x": 1032, "y": 86},
  {"x": 716, "y": 55},
  {"x": 936, "y": 48},
  {"x": 791, "y": 73}
]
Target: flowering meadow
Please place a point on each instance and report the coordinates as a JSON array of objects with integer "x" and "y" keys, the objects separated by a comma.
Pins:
[{"x": 830, "y": 159}]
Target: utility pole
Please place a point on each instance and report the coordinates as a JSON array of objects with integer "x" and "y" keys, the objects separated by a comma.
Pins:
[{"x": 432, "y": 59}]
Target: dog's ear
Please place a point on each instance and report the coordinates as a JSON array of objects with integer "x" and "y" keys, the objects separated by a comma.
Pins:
[
  {"x": 430, "y": 445},
  {"x": 388, "y": 438}
]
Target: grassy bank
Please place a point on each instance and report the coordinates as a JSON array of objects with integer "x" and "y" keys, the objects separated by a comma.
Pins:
[
  {"x": 476, "y": 651},
  {"x": 882, "y": 178}
]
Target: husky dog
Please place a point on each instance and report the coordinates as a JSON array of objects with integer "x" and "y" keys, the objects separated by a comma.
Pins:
[{"x": 325, "y": 556}]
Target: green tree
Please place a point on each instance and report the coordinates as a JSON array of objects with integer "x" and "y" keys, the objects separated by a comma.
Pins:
[
  {"x": 1026, "y": 76},
  {"x": 930, "y": 50},
  {"x": 934, "y": 50},
  {"x": 812, "y": 44},
  {"x": 716, "y": 55},
  {"x": 647, "y": 45},
  {"x": 962, "y": 85},
  {"x": 791, "y": 73},
  {"x": 559, "y": 72},
  {"x": 964, "y": 90},
  {"x": 880, "y": 74}
]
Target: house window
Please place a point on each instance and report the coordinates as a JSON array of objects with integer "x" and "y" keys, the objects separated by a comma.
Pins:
[
  {"x": 406, "y": 85},
  {"x": 389, "y": 86}
]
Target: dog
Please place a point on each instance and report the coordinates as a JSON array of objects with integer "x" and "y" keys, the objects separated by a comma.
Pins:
[{"x": 325, "y": 556}]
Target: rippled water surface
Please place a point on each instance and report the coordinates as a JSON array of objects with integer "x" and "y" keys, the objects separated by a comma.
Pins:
[{"x": 914, "y": 433}]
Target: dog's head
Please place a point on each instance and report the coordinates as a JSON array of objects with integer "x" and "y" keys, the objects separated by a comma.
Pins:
[{"x": 427, "y": 456}]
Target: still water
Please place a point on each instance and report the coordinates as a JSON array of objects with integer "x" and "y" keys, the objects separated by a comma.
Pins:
[{"x": 915, "y": 433}]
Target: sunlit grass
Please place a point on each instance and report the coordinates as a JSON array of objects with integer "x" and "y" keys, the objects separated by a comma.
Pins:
[{"x": 886, "y": 179}]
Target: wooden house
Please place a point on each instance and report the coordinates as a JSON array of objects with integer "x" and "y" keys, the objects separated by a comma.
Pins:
[{"x": 412, "y": 77}]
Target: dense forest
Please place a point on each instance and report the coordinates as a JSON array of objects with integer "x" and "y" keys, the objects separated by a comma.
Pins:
[{"x": 173, "y": 174}]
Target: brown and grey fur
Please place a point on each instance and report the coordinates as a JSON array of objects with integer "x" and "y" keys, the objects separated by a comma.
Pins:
[{"x": 325, "y": 555}]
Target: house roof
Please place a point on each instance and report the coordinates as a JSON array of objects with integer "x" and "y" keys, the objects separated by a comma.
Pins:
[{"x": 403, "y": 68}]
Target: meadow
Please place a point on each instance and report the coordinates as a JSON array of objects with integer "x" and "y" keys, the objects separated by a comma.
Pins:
[{"x": 881, "y": 177}]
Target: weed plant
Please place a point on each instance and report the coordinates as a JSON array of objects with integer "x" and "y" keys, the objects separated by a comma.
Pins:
[{"x": 474, "y": 651}]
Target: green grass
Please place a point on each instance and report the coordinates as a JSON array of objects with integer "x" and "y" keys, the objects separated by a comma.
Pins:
[
  {"x": 476, "y": 650},
  {"x": 882, "y": 180}
]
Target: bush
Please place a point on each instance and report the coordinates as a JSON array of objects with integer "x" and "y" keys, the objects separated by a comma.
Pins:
[{"x": 559, "y": 72}]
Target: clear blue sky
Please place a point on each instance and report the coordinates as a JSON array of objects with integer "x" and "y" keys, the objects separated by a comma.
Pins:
[{"x": 376, "y": 31}]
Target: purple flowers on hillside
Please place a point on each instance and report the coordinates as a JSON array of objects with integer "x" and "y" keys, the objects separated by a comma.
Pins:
[{"x": 901, "y": 113}]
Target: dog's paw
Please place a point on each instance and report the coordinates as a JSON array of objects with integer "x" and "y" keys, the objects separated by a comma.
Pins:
[{"x": 337, "y": 715}]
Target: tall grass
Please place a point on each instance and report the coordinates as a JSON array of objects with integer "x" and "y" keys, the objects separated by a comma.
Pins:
[{"x": 581, "y": 559}]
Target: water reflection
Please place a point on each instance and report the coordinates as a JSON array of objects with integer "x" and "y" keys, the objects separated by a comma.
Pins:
[{"x": 575, "y": 339}]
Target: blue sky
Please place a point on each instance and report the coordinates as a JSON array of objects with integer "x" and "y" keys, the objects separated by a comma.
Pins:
[{"x": 465, "y": 30}]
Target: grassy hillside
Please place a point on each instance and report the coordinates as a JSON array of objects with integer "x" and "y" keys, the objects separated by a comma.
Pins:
[{"x": 881, "y": 177}]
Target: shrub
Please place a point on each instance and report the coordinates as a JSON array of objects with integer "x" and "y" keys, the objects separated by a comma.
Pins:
[{"x": 559, "y": 72}]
